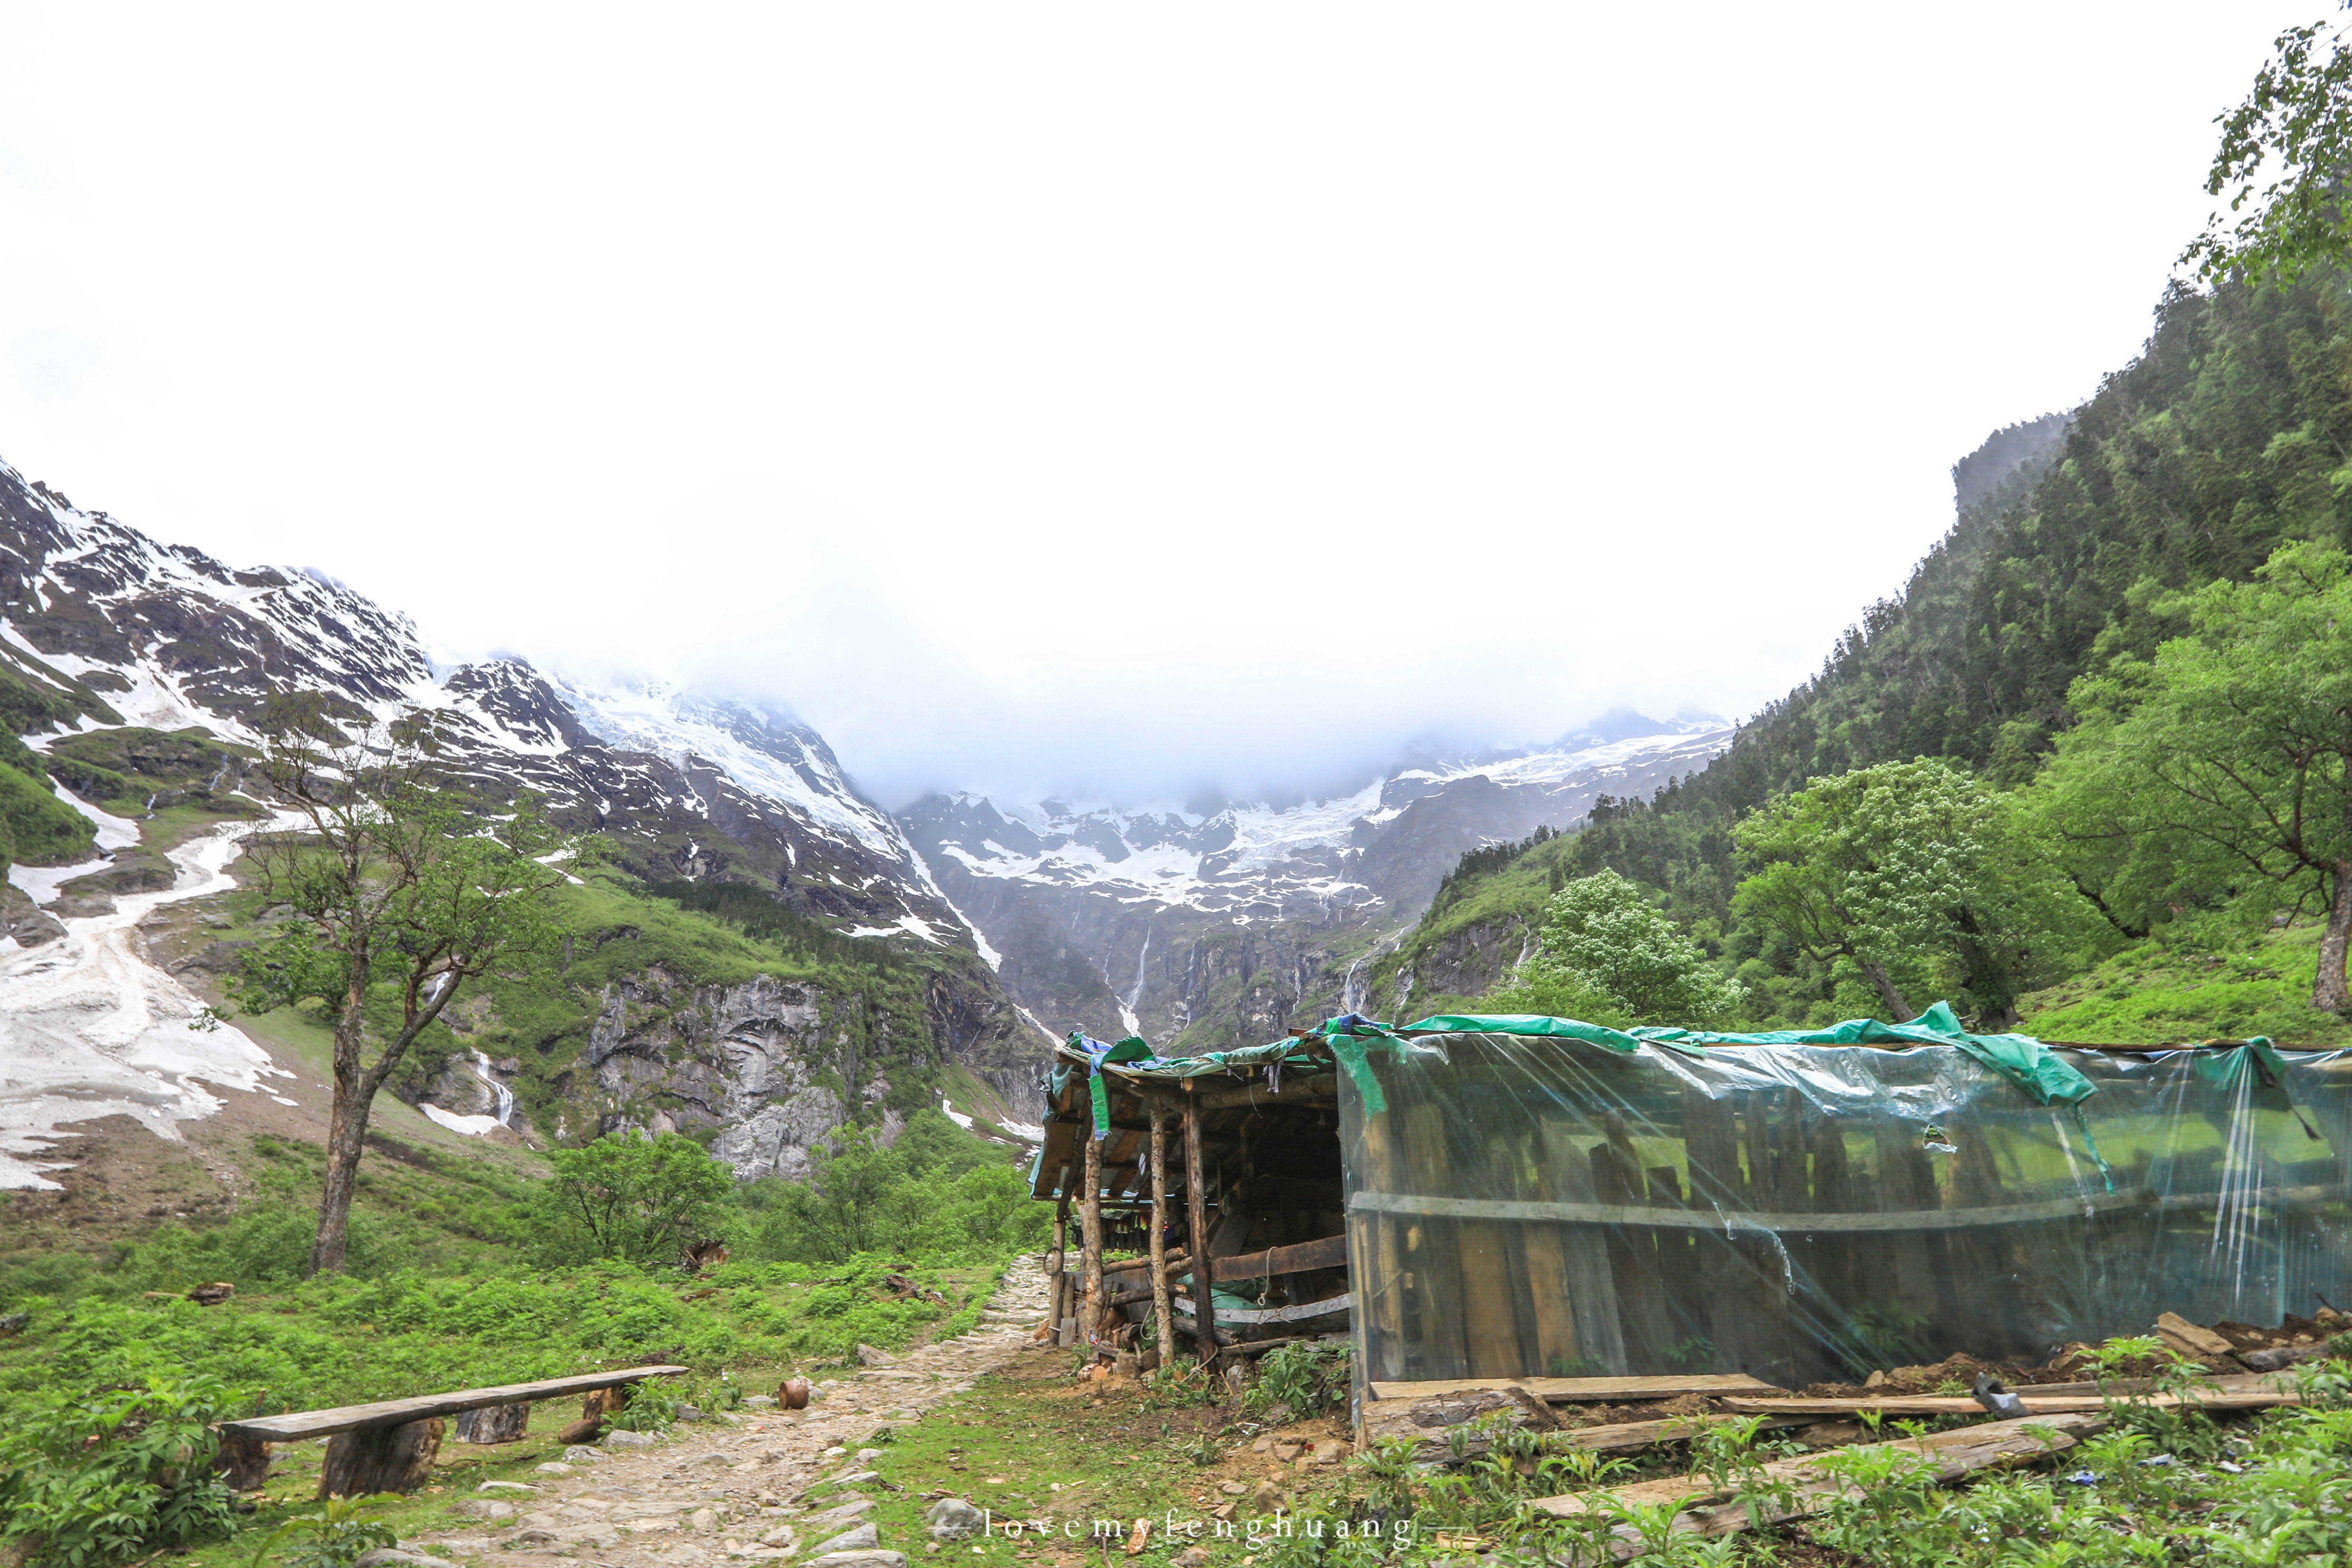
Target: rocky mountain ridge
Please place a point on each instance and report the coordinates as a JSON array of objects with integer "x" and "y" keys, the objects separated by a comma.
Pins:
[
  {"x": 1217, "y": 927},
  {"x": 104, "y": 631}
]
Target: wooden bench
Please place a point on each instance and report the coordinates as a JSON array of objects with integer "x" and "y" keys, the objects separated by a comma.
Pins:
[{"x": 389, "y": 1446}]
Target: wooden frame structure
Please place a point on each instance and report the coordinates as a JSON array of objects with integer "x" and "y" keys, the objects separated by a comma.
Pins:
[{"x": 1251, "y": 1164}]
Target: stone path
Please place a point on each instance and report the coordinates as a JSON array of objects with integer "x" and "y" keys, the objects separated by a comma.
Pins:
[{"x": 715, "y": 1492}]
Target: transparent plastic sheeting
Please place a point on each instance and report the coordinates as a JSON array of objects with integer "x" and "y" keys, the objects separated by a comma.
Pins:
[{"x": 1532, "y": 1206}]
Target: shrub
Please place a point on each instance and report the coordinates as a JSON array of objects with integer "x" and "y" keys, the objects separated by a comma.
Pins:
[{"x": 98, "y": 1477}]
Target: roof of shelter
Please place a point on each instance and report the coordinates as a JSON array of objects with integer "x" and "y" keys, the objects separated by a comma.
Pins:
[{"x": 1123, "y": 1078}]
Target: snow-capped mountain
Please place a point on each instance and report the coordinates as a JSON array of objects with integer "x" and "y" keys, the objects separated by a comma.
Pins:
[
  {"x": 1165, "y": 919},
  {"x": 101, "y": 624}
]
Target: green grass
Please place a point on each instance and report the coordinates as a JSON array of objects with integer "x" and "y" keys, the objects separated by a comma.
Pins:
[{"x": 2193, "y": 983}]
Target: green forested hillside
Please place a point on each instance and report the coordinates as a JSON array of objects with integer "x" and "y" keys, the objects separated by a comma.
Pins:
[{"x": 2230, "y": 435}]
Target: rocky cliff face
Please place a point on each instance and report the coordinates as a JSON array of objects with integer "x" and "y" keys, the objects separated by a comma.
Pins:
[
  {"x": 1221, "y": 928},
  {"x": 105, "y": 632}
]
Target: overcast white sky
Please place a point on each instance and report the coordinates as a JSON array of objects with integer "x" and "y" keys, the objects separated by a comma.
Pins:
[{"x": 1091, "y": 396}]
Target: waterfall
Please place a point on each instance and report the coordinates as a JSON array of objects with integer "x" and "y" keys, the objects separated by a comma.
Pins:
[
  {"x": 1351, "y": 999},
  {"x": 1135, "y": 997},
  {"x": 501, "y": 1097}
]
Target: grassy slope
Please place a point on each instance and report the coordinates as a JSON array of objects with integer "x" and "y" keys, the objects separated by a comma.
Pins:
[
  {"x": 2193, "y": 984},
  {"x": 1513, "y": 896}
]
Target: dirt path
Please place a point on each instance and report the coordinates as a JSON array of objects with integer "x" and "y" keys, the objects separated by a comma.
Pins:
[{"x": 715, "y": 1492}]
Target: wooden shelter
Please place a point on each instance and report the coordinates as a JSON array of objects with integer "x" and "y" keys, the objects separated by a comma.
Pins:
[{"x": 1505, "y": 1199}]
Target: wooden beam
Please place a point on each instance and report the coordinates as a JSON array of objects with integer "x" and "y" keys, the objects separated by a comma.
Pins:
[
  {"x": 1205, "y": 1310},
  {"x": 1296, "y": 1312},
  {"x": 2035, "y": 1404},
  {"x": 1587, "y": 1390},
  {"x": 1296, "y": 1089},
  {"x": 2047, "y": 1211},
  {"x": 1329, "y": 1252},
  {"x": 301, "y": 1424},
  {"x": 1163, "y": 1311}
]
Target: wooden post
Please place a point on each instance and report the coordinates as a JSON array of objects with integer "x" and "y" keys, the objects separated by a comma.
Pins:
[
  {"x": 1058, "y": 1271},
  {"x": 1205, "y": 1307},
  {"x": 1163, "y": 1310},
  {"x": 1711, "y": 1148},
  {"x": 1090, "y": 1243},
  {"x": 380, "y": 1459},
  {"x": 243, "y": 1462}
]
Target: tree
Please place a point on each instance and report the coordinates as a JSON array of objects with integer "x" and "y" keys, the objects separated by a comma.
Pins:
[
  {"x": 2283, "y": 160},
  {"x": 395, "y": 893},
  {"x": 631, "y": 1196},
  {"x": 2224, "y": 763},
  {"x": 1915, "y": 875},
  {"x": 1606, "y": 949}
]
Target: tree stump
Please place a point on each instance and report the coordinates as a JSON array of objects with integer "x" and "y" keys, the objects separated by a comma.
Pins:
[
  {"x": 380, "y": 1459},
  {"x": 243, "y": 1462},
  {"x": 494, "y": 1424}
]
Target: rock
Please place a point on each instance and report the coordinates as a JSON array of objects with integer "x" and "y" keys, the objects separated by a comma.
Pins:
[
  {"x": 692, "y": 1413},
  {"x": 504, "y": 1486},
  {"x": 213, "y": 1294},
  {"x": 1876, "y": 1380},
  {"x": 862, "y": 1537},
  {"x": 483, "y": 1508},
  {"x": 540, "y": 1537},
  {"x": 868, "y": 1356},
  {"x": 952, "y": 1518},
  {"x": 1331, "y": 1451},
  {"x": 702, "y": 1519},
  {"x": 15, "y": 1322},
  {"x": 782, "y": 1535},
  {"x": 1286, "y": 1449},
  {"x": 399, "y": 1557},
  {"x": 553, "y": 1467},
  {"x": 834, "y": 1519},
  {"x": 630, "y": 1440},
  {"x": 1263, "y": 1445},
  {"x": 1280, "y": 1415},
  {"x": 1193, "y": 1556},
  {"x": 2191, "y": 1339},
  {"x": 868, "y": 1453},
  {"x": 579, "y": 1456},
  {"x": 853, "y": 1477},
  {"x": 759, "y": 1401},
  {"x": 1233, "y": 1488},
  {"x": 868, "y": 1558},
  {"x": 1266, "y": 1497}
]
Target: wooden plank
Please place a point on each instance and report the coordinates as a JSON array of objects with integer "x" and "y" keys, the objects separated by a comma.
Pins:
[
  {"x": 1942, "y": 1405},
  {"x": 1328, "y": 1252},
  {"x": 1793, "y": 1489},
  {"x": 1587, "y": 1390},
  {"x": 1378, "y": 1268},
  {"x": 1561, "y": 1259},
  {"x": 298, "y": 1426},
  {"x": 1759, "y": 1222},
  {"x": 1490, "y": 1317}
]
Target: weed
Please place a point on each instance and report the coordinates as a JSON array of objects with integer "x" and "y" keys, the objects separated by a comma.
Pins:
[{"x": 331, "y": 1537}]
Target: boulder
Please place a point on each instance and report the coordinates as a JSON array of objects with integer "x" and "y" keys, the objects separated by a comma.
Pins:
[
  {"x": 952, "y": 1518},
  {"x": 870, "y": 1356},
  {"x": 871, "y": 1558},
  {"x": 630, "y": 1440}
]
